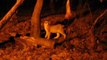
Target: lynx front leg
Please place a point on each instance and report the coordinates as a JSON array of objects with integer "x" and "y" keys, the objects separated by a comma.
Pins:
[
  {"x": 48, "y": 35},
  {"x": 57, "y": 36}
]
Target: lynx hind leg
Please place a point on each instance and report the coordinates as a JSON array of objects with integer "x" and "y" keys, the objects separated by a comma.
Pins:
[
  {"x": 57, "y": 36},
  {"x": 62, "y": 32},
  {"x": 64, "y": 35}
]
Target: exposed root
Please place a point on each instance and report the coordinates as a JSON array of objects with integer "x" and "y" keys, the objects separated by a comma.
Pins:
[{"x": 31, "y": 41}]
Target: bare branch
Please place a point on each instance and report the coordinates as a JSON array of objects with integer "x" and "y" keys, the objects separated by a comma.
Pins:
[
  {"x": 5, "y": 19},
  {"x": 96, "y": 20}
]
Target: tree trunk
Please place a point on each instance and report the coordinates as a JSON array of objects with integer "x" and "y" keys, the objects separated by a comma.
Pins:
[
  {"x": 68, "y": 14},
  {"x": 35, "y": 19},
  {"x": 5, "y": 19}
]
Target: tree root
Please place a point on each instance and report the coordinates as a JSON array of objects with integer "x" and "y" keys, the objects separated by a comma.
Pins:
[{"x": 30, "y": 41}]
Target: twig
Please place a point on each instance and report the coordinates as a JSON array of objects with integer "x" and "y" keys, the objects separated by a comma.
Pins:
[{"x": 98, "y": 19}]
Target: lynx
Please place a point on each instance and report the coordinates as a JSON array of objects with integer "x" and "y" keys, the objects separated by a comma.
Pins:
[{"x": 58, "y": 29}]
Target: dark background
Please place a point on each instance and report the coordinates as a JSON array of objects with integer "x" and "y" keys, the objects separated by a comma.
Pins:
[{"x": 56, "y": 5}]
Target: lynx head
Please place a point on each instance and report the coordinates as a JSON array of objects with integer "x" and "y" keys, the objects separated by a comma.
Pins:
[{"x": 46, "y": 23}]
